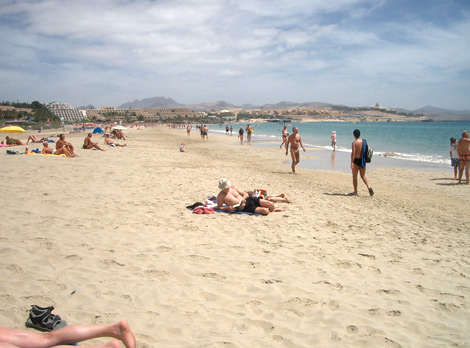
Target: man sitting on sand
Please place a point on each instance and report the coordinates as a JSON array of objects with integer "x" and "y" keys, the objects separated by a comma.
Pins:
[
  {"x": 88, "y": 144},
  {"x": 63, "y": 151},
  {"x": 108, "y": 141},
  {"x": 463, "y": 148},
  {"x": 237, "y": 200},
  {"x": 62, "y": 143},
  {"x": 11, "y": 141},
  {"x": 14, "y": 338}
]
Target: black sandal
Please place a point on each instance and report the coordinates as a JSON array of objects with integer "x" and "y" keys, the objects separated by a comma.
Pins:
[{"x": 41, "y": 318}]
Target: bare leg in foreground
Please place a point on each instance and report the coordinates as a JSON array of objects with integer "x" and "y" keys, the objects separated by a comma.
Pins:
[{"x": 10, "y": 338}]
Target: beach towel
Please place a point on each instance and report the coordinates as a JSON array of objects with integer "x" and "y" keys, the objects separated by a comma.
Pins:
[
  {"x": 211, "y": 204},
  {"x": 363, "y": 158},
  {"x": 203, "y": 210}
]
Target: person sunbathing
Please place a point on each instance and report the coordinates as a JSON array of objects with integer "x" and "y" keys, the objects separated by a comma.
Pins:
[
  {"x": 33, "y": 139},
  {"x": 118, "y": 134},
  {"x": 108, "y": 141},
  {"x": 233, "y": 199},
  {"x": 62, "y": 151},
  {"x": 11, "y": 338},
  {"x": 88, "y": 144},
  {"x": 11, "y": 141},
  {"x": 274, "y": 197}
]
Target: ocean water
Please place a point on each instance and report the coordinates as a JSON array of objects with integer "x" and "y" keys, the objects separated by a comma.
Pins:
[{"x": 415, "y": 145}]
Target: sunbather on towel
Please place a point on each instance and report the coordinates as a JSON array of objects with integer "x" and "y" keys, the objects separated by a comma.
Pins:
[
  {"x": 12, "y": 141},
  {"x": 238, "y": 200},
  {"x": 62, "y": 151},
  {"x": 11, "y": 338},
  {"x": 273, "y": 197},
  {"x": 108, "y": 141},
  {"x": 34, "y": 139}
]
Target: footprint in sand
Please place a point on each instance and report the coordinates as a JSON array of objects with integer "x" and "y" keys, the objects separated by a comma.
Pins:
[
  {"x": 197, "y": 257},
  {"x": 214, "y": 276},
  {"x": 335, "y": 286},
  {"x": 373, "y": 311},
  {"x": 14, "y": 268},
  {"x": 157, "y": 274},
  {"x": 367, "y": 255},
  {"x": 352, "y": 329},
  {"x": 389, "y": 291},
  {"x": 448, "y": 307},
  {"x": 270, "y": 281},
  {"x": 73, "y": 258},
  {"x": 112, "y": 263},
  {"x": 348, "y": 264},
  {"x": 301, "y": 301}
]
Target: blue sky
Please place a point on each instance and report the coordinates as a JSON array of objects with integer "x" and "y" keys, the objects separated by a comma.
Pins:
[{"x": 400, "y": 53}]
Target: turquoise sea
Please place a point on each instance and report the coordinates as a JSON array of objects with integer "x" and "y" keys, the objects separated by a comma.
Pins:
[{"x": 414, "y": 145}]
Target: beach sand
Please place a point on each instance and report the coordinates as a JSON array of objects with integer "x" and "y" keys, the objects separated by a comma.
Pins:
[{"x": 106, "y": 236}]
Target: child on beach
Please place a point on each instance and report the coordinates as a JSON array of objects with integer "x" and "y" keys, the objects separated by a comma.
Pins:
[
  {"x": 333, "y": 140},
  {"x": 454, "y": 156},
  {"x": 182, "y": 149}
]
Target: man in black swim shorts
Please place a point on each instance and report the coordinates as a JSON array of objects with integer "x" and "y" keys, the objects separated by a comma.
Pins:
[
  {"x": 358, "y": 163},
  {"x": 232, "y": 199}
]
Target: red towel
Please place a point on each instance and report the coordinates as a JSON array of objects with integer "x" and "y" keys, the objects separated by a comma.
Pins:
[{"x": 203, "y": 210}]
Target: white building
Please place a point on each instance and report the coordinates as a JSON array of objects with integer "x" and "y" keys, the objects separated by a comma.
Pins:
[{"x": 65, "y": 111}]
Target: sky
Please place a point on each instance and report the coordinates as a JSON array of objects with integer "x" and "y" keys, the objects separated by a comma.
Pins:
[{"x": 399, "y": 53}]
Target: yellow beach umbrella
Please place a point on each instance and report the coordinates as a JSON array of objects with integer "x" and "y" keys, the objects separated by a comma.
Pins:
[{"x": 12, "y": 129}]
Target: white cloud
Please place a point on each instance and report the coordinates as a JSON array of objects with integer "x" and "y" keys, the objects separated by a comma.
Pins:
[{"x": 117, "y": 51}]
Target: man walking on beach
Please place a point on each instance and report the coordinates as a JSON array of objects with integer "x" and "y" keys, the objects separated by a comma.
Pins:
[
  {"x": 240, "y": 135},
  {"x": 463, "y": 148},
  {"x": 358, "y": 162},
  {"x": 294, "y": 140}
]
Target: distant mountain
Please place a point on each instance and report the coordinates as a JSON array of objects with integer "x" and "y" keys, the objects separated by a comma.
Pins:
[
  {"x": 216, "y": 106},
  {"x": 89, "y": 107},
  {"x": 440, "y": 114},
  {"x": 147, "y": 103},
  {"x": 434, "y": 113},
  {"x": 288, "y": 104}
]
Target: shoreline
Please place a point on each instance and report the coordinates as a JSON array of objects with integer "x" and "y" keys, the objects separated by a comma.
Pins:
[
  {"x": 324, "y": 159},
  {"x": 106, "y": 236}
]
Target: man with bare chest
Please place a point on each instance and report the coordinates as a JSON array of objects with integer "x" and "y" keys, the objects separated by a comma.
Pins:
[
  {"x": 293, "y": 141},
  {"x": 233, "y": 199}
]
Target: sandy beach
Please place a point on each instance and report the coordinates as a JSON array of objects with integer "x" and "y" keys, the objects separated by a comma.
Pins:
[{"x": 106, "y": 236}]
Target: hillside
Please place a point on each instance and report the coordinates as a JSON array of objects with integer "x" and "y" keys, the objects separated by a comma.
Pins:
[{"x": 434, "y": 113}]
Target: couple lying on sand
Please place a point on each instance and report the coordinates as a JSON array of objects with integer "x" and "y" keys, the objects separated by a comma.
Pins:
[{"x": 231, "y": 198}]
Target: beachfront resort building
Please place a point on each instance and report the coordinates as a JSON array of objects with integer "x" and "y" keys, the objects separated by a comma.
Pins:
[
  {"x": 377, "y": 107},
  {"x": 131, "y": 115},
  {"x": 65, "y": 112}
]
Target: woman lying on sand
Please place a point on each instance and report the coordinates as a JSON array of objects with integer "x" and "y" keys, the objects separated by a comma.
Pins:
[{"x": 11, "y": 338}]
